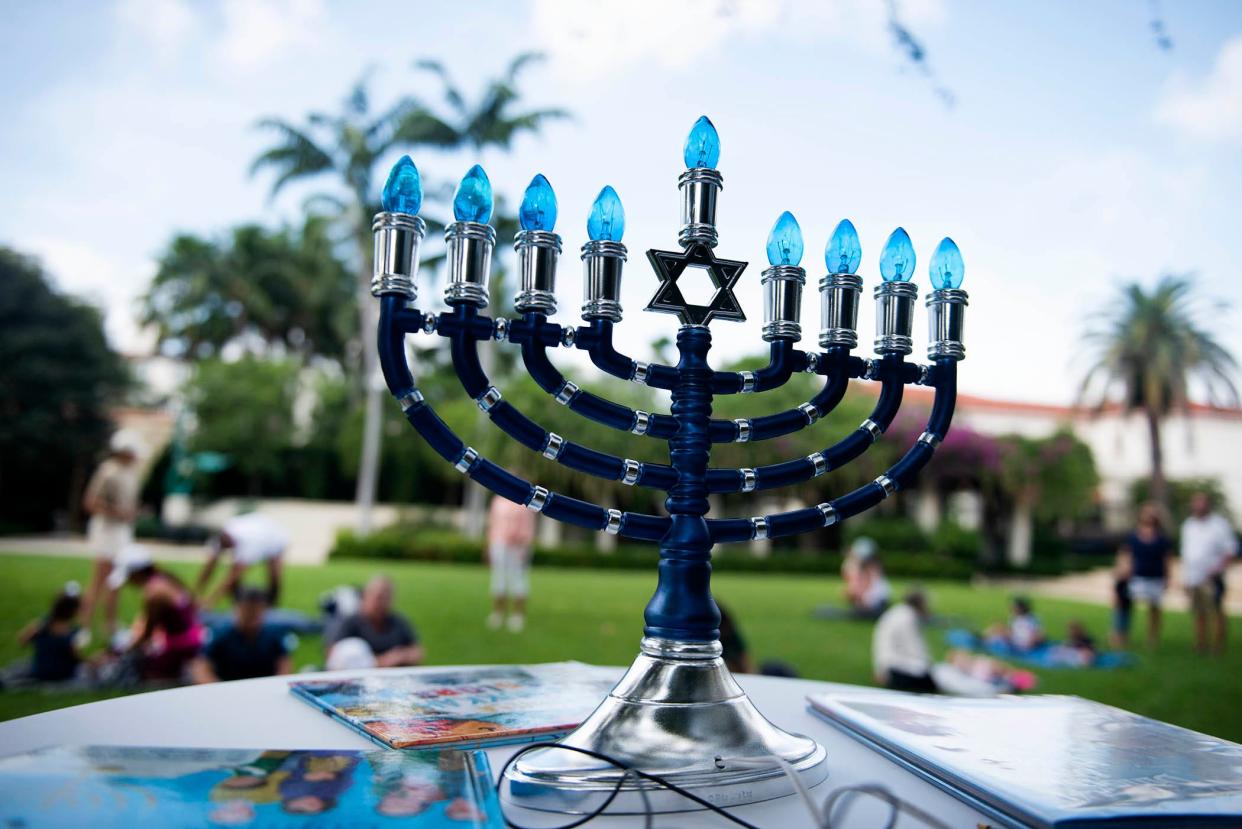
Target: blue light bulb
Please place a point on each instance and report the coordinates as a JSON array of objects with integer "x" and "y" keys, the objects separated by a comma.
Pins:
[
  {"x": 947, "y": 268},
  {"x": 538, "y": 210},
  {"x": 843, "y": 252},
  {"x": 607, "y": 220},
  {"x": 403, "y": 192},
  {"x": 897, "y": 260},
  {"x": 785, "y": 241},
  {"x": 473, "y": 200},
  {"x": 702, "y": 145}
]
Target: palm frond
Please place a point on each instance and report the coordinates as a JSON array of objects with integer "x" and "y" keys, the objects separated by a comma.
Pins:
[{"x": 452, "y": 95}]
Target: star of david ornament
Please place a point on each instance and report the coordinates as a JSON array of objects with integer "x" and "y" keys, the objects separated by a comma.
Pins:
[{"x": 724, "y": 273}]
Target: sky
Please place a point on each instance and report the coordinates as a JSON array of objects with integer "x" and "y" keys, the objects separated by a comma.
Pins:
[{"x": 1076, "y": 154}]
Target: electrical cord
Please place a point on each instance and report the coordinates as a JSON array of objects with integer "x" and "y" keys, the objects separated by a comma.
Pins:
[
  {"x": 828, "y": 816},
  {"x": 630, "y": 771}
]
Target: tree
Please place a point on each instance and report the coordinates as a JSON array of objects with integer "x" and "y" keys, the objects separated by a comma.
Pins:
[
  {"x": 1149, "y": 348},
  {"x": 57, "y": 379},
  {"x": 265, "y": 289},
  {"x": 244, "y": 410},
  {"x": 349, "y": 146}
]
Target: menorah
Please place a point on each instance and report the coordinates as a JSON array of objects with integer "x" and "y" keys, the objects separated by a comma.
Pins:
[{"x": 677, "y": 712}]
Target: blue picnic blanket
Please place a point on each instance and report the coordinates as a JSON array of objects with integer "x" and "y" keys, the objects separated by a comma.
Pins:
[{"x": 1046, "y": 655}]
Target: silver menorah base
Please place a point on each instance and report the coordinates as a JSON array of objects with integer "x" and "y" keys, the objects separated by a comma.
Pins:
[{"x": 679, "y": 714}]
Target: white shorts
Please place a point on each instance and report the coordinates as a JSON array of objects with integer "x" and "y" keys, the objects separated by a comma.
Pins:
[
  {"x": 248, "y": 554},
  {"x": 1143, "y": 589},
  {"x": 510, "y": 571},
  {"x": 107, "y": 538}
]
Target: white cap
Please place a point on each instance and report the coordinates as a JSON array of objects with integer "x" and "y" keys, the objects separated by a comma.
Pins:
[
  {"x": 125, "y": 440},
  {"x": 863, "y": 547},
  {"x": 131, "y": 558},
  {"x": 351, "y": 654}
]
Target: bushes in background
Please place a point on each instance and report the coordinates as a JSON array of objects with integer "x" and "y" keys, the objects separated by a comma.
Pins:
[{"x": 405, "y": 542}]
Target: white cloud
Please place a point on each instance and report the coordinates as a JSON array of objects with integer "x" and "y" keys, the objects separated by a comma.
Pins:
[
  {"x": 163, "y": 25},
  {"x": 593, "y": 40},
  {"x": 1211, "y": 108},
  {"x": 258, "y": 32}
]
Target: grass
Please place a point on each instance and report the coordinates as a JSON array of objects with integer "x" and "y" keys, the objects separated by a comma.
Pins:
[{"x": 596, "y": 616}]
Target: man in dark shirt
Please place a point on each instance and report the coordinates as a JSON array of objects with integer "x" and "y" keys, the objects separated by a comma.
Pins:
[
  {"x": 392, "y": 640},
  {"x": 248, "y": 648}
]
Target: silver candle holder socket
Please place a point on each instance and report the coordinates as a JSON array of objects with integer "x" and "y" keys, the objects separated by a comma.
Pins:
[
  {"x": 894, "y": 317},
  {"x": 840, "y": 295},
  {"x": 398, "y": 237},
  {"x": 469, "y": 253},
  {"x": 782, "y": 302},
  {"x": 537, "y": 254},
  {"x": 699, "y": 188},
  {"x": 602, "y": 262},
  {"x": 946, "y": 321}
]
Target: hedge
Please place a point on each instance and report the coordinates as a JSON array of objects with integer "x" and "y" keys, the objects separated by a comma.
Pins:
[{"x": 413, "y": 543}]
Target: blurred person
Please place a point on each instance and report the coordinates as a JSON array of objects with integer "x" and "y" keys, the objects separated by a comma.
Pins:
[
  {"x": 111, "y": 499},
  {"x": 1148, "y": 549},
  {"x": 866, "y": 588},
  {"x": 900, "y": 659},
  {"x": 167, "y": 635},
  {"x": 1208, "y": 544},
  {"x": 733, "y": 648},
  {"x": 1123, "y": 603},
  {"x": 375, "y": 636},
  {"x": 1022, "y": 633},
  {"x": 248, "y": 648},
  {"x": 510, "y": 535},
  {"x": 54, "y": 639},
  {"x": 253, "y": 539}
]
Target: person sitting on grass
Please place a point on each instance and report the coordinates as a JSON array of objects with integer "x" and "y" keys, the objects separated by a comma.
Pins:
[
  {"x": 866, "y": 588},
  {"x": 54, "y": 638},
  {"x": 167, "y": 635},
  {"x": 1023, "y": 633},
  {"x": 375, "y": 636},
  {"x": 899, "y": 655},
  {"x": 247, "y": 648}
]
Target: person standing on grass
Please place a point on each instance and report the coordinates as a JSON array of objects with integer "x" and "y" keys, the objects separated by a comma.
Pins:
[
  {"x": 510, "y": 535},
  {"x": 1148, "y": 549},
  {"x": 111, "y": 499},
  {"x": 1208, "y": 545}
]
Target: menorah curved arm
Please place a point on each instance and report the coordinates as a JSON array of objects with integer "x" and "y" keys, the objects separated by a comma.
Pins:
[
  {"x": 596, "y": 340},
  {"x": 464, "y": 327},
  {"x": 898, "y": 476},
  {"x": 534, "y": 334},
  {"x": 893, "y": 372},
  {"x": 391, "y": 336}
]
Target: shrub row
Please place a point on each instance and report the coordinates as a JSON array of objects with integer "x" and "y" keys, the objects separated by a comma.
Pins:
[{"x": 410, "y": 543}]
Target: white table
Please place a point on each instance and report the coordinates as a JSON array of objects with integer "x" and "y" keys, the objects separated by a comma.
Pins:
[{"x": 262, "y": 714}]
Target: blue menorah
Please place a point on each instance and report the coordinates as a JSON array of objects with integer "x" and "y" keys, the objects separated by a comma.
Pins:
[{"x": 677, "y": 712}]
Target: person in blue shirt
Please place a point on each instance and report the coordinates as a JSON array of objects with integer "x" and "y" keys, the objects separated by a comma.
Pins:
[
  {"x": 1148, "y": 549},
  {"x": 248, "y": 647},
  {"x": 54, "y": 639}
]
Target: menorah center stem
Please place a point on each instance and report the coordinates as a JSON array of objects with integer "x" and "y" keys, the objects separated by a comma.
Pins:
[{"x": 682, "y": 607}]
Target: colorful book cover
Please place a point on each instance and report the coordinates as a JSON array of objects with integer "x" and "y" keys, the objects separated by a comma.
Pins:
[
  {"x": 463, "y": 706},
  {"x": 122, "y": 787},
  {"x": 1050, "y": 762}
]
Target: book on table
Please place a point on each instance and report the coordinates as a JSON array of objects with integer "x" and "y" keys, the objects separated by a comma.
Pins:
[
  {"x": 1050, "y": 762},
  {"x": 122, "y": 787},
  {"x": 463, "y": 706}
]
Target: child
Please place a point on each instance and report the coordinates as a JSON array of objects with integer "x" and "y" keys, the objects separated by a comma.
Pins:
[
  {"x": 1022, "y": 634},
  {"x": 53, "y": 638}
]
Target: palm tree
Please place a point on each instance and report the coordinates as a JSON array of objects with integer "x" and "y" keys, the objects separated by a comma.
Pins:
[
  {"x": 1150, "y": 346},
  {"x": 348, "y": 146}
]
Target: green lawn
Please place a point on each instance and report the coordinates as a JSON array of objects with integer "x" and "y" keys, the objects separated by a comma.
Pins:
[{"x": 596, "y": 616}]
